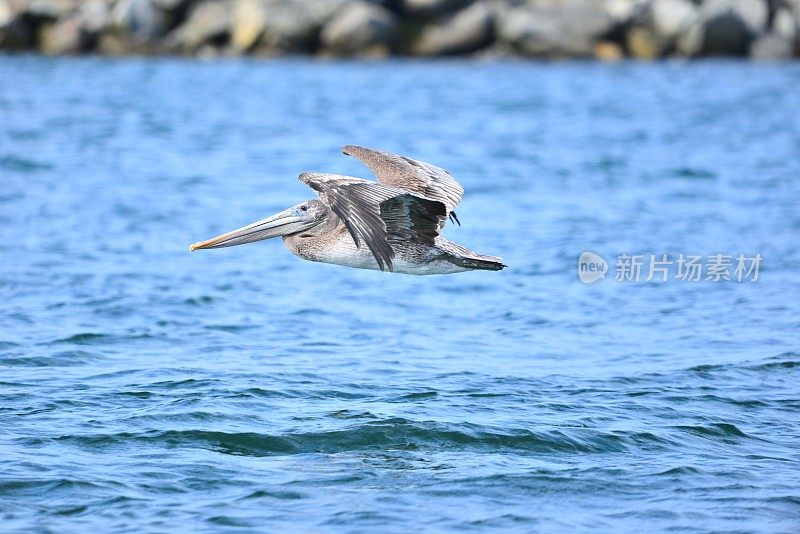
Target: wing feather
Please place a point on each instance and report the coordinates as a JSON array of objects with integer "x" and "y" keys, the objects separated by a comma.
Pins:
[
  {"x": 416, "y": 177},
  {"x": 412, "y": 218}
]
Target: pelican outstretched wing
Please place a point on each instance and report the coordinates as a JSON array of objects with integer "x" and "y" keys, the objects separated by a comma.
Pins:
[
  {"x": 378, "y": 214},
  {"x": 416, "y": 177}
]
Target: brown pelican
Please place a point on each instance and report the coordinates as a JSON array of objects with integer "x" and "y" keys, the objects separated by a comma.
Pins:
[{"x": 399, "y": 219}]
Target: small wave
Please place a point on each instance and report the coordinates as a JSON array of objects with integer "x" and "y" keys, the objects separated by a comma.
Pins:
[
  {"x": 391, "y": 434},
  {"x": 22, "y": 164},
  {"x": 283, "y": 495},
  {"x": 59, "y": 359},
  {"x": 198, "y": 301},
  {"x": 714, "y": 430},
  {"x": 680, "y": 470},
  {"x": 261, "y": 393},
  {"x": 71, "y": 510},
  {"x": 93, "y": 338},
  {"x": 350, "y": 414},
  {"x": 744, "y": 403},
  {"x": 694, "y": 173},
  {"x": 230, "y": 328},
  {"x": 416, "y": 395},
  {"x": 786, "y": 360},
  {"x": 9, "y": 487},
  {"x": 794, "y": 500},
  {"x": 189, "y": 383}
]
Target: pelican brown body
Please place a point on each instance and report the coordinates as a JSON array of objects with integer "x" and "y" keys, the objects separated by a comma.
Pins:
[{"x": 392, "y": 224}]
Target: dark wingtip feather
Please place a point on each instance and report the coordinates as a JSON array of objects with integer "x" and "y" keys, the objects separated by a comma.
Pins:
[{"x": 454, "y": 218}]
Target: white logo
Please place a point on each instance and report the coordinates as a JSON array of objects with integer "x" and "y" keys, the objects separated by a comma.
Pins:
[{"x": 591, "y": 267}]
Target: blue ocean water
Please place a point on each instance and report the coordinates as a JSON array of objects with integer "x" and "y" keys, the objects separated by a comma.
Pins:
[{"x": 143, "y": 388}]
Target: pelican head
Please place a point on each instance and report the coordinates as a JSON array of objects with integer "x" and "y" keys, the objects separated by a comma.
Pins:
[{"x": 299, "y": 218}]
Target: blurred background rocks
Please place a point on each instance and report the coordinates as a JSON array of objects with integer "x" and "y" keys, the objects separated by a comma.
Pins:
[{"x": 549, "y": 29}]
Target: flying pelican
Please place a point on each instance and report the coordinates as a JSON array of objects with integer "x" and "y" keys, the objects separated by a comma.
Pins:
[{"x": 399, "y": 218}]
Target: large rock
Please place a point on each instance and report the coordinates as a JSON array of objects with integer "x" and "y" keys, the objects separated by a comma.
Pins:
[
  {"x": 624, "y": 12},
  {"x": 725, "y": 35},
  {"x": 7, "y": 17},
  {"x": 247, "y": 23},
  {"x": 14, "y": 34},
  {"x": 643, "y": 42},
  {"x": 170, "y": 5},
  {"x": 293, "y": 26},
  {"x": 47, "y": 9},
  {"x": 671, "y": 18},
  {"x": 433, "y": 8},
  {"x": 608, "y": 51},
  {"x": 6, "y": 13},
  {"x": 784, "y": 24},
  {"x": 142, "y": 19},
  {"x": 209, "y": 21},
  {"x": 94, "y": 17},
  {"x": 359, "y": 28},
  {"x": 464, "y": 32},
  {"x": 794, "y": 7},
  {"x": 660, "y": 27},
  {"x": 753, "y": 13},
  {"x": 554, "y": 28},
  {"x": 729, "y": 26},
  {"x": 61, "y": 37},
  {"x": 771, "y": 47},
  {"x": 77, "y": 32},
  {"x": 35, "y": 24},
  {"x": 280, "y": 26}
]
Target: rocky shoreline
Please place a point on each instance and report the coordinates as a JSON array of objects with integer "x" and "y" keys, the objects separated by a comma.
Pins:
[{"x": 604, "y": 29}]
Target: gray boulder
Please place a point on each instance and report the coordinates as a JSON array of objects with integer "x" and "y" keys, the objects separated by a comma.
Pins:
[
  {"x": 47, "y": 9},
  {"x": 209, "y": 21},
  {"x": 13, "y": 34},
  {"x": 433, "y": 8},
  {"x": 771, "y": 47},
  {"x": 624, "y": 12},
  {"x": 555, "y": 28},
  {"x": 725, "y": 35},
  {"x": 289, "y": 27},
  {"x": 794, "y": 7},
  {"x": 729, "y": 26},
  {"x": 280, "y": 26},
  {"x": 6, "y": 13},
  {"x": 644, "y": 43},
  {"x": 671, "y": 18},
  {"x": 662, "y": 25},
  {"x": 323, "y": 10},
  {"x": 61, "y": 37},
  {"x": 140, "y": 19},
  {"x": 94, "y": 17},
  {"x": 690, "y": 42},
  {"x": 753, "y": 13},
  {"x": 359, "y": 28},
  {"x": 785, "y": 24},
  {"x": 170, "y": 5},
  {"x": 295, "y": 25},
  {"x": 463, "y": 32},
  {"x": 31, "y": 23}
]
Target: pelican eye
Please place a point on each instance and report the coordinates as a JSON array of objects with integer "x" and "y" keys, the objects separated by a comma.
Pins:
[{"x": 304, "y": 208}]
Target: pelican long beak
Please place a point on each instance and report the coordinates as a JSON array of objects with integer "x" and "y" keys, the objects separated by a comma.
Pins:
[{"x": 285, "y": 222}]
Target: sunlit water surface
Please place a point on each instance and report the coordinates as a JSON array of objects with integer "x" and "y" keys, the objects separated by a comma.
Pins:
[{"x": 144, "y": 388}]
